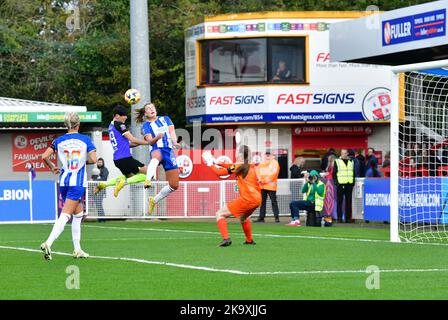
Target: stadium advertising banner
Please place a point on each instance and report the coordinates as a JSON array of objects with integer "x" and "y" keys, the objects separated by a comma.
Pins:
[
  {"x": 421, "y": 199},
  {"x": 45, "y": 117},
  {"x": 27, "y": 149},
  {"x": 413, "y": 28},
  {"x": 333, "y": 92},
  {"x": 15, "y": 198}
]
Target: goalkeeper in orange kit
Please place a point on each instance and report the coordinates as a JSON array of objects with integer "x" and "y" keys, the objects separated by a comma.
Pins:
[{"x": 249, "y": 191}]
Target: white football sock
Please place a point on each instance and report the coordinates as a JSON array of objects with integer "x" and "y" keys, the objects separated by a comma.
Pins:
[
  {"x": 152, "y": 167},
  {"x": 76, "y": 230},
  {"x": 58, "y": 227},
  {"x": 166, "y": 190}
]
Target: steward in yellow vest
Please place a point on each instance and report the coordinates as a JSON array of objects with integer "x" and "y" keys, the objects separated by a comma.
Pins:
[{"x": 344, "y": 178}]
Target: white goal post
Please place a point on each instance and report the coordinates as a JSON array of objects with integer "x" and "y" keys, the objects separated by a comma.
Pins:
[{"x": 431, "y": 95}]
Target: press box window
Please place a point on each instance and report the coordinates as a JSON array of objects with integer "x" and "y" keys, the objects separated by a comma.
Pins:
[{"x": 255, "y": 60}]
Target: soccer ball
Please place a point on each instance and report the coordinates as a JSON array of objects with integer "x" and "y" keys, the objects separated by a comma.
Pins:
[{"x": 132, "y": 96}]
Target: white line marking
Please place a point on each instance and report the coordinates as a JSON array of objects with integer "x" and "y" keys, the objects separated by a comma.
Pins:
[
  {"x": 272, "y": 235},
  {"x": 239, "y": 272},
  {"x": 115, "y": 239},
  {"x": 183, "y": 266}
]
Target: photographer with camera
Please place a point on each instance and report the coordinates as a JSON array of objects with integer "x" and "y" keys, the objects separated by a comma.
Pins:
[{"x": 313, "y": 201}]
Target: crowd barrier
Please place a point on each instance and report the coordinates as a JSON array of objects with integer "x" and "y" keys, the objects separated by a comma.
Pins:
[{"x": 422, "y": 199}]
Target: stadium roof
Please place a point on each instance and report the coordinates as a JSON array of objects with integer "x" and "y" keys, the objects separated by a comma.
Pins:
[
  {"x": 16, "y": 105},
  {"x": 404, "y": 36}
]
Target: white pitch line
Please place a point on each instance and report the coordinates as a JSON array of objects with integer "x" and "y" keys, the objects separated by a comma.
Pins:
[
  {"x": 183, "y": 266},
  {"x": 115, "y": 239},
  {"x": 239, "y": 272},
  {"x": 346, "y": 271},
  {"x": 272, "y": 235}
]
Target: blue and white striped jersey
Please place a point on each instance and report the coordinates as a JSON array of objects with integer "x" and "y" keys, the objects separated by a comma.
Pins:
[
  {"x": 72, "y": 150},
  {"x": 159, "y": 126}
]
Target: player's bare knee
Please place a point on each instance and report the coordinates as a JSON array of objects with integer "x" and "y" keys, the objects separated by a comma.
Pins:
[
  {"x": 174, "y": 185},
  {"x": 156, "y": 155}
]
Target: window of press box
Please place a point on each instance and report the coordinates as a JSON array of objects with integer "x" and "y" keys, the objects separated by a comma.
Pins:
[{"x": 255, "y": 60}]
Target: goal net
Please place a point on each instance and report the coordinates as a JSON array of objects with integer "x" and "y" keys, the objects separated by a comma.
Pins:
[{"x": 423, "y": 157}]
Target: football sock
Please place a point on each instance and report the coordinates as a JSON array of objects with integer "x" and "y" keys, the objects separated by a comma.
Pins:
[
  {"x": 76, "y": 230},
  {"x": 222, "y": 226},
  {"x": 113, "y": 182},
  {"x": 152, "y": 167},
  {"x": 166, "y": 190},
  {"x": 247, "y": 228},
  {"x": 139, "y": 177},
  {"x": 58, "y": 227}
]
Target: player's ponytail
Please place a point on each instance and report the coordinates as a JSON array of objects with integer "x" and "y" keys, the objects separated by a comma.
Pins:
[
  {"x": 243, "y": 169},
  {"x": 71, "y": 120},
  {"x": 140, "y": 115}
]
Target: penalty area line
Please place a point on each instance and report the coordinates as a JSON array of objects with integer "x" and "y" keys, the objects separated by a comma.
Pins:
[{"x": 230, "y": 271}]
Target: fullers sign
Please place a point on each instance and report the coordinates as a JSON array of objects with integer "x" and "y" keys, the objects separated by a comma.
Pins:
[
  {"x": 417, "y": 27},
  {"x": 27, "y": 149}
]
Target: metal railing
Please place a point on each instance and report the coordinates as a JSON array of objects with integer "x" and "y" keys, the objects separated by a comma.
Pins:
[{"x": 194, "y": 199}]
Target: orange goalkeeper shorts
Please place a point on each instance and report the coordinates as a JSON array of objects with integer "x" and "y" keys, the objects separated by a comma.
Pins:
[{"x": 240, "y": 206}]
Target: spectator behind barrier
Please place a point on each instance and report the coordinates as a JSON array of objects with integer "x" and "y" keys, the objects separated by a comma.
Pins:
[
  {"x": 100, "y": 173},
  {"x": 297, "y": 168},
  {"x": 373, "y": 172},
  {"x": 324, "y": 162},
  {"x": 371, "y": 157}
]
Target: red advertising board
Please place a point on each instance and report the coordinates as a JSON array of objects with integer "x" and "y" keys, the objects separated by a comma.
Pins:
[
  {"x": 27, "y": 149},
  {"x": 192, "y": 167}
]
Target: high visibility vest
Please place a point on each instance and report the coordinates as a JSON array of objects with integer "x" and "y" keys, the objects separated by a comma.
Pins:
[
  {"x": 345, "y": 172},
  {"x": 318, "y": 200}
]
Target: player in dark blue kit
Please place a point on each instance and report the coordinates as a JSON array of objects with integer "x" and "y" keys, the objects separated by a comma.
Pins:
[
  {"x": 160, "y": 133},
  {"x": 122, "y": 141}
]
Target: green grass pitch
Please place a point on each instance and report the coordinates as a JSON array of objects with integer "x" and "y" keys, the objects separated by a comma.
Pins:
[{"x": 180, "y": 260}]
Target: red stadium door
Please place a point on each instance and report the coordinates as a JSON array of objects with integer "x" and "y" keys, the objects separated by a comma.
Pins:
[{"x": 313, "y": 142}]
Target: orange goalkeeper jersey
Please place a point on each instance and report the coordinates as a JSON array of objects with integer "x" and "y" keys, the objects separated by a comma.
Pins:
[{"x": 248, "y": 188}]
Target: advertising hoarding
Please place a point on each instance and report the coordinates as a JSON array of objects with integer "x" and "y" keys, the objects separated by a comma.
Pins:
[
  {"x": 420, "y": 199},
  {"x": 15, "y": 197}
]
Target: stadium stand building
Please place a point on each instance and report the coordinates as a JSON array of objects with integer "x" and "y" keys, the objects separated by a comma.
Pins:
[
  {"x": 272, "y": 70},
  {"x": 28, "y": 128}
]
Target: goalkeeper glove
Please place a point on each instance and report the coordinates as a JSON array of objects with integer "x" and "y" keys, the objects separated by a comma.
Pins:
[{"x": 208, "y": 158}]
